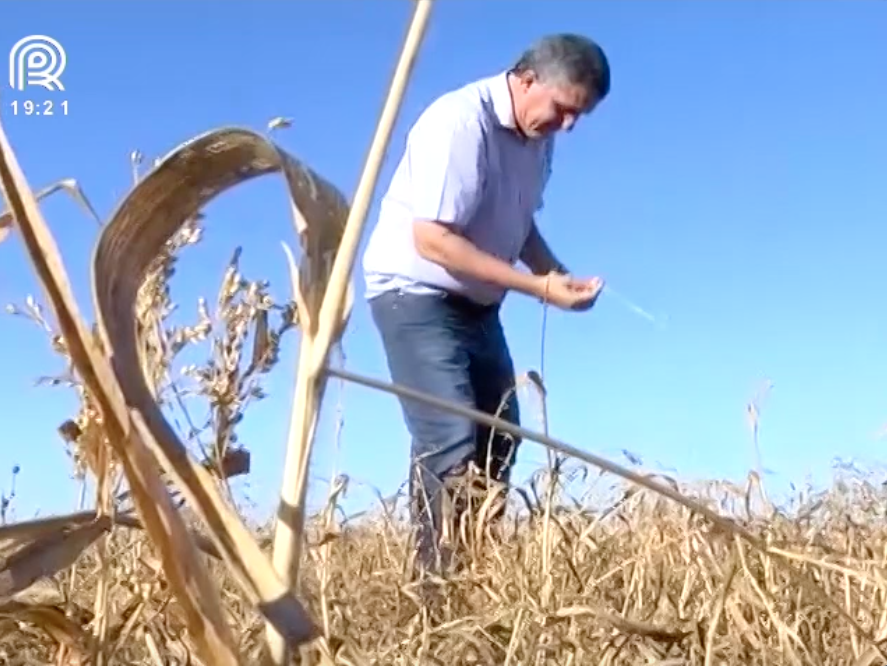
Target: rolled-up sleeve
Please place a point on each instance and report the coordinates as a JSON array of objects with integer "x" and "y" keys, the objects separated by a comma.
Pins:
[{"x": 447, "y": 163}]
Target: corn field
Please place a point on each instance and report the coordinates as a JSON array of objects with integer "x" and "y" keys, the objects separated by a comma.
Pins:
[{"x": 594, "y": 564}]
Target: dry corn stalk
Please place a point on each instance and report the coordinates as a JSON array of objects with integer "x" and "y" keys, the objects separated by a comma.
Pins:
[
  {"x": 323, "y": 313},
  {"x": 187, "y": 575},
  {"x": 174, "y": 191}
]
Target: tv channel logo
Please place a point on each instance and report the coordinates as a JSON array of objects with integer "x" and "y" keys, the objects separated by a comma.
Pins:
[{"x": 37, "y": 61}]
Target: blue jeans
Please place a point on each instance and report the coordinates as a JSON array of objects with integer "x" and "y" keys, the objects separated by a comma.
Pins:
[{"x": 454, "y": 349}]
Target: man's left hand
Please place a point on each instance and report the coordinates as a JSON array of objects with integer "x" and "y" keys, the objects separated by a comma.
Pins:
[{"x": 592, "y": 286}]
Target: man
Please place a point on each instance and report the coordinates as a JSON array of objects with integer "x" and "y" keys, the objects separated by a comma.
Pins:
[{"x": 457, "y": 217}]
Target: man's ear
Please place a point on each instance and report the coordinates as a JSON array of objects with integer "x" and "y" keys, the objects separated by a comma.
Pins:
[{"x": 526, "y": 78}]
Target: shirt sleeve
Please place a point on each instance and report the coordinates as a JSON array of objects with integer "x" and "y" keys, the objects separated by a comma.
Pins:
[{"x": 447, "y": 161}]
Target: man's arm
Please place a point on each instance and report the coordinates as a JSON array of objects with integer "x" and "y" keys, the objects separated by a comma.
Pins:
[
  {"x": 537, "y": 255},
  {"x": 447, "y": 159},
  {"x": 441, "y": 244}
]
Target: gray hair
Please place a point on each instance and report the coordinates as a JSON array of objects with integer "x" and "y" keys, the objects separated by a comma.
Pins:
[{"x": 568, "y": 58}]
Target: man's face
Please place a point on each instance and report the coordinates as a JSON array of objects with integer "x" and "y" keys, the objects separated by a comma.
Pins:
[{"x": 547, "y": 108}]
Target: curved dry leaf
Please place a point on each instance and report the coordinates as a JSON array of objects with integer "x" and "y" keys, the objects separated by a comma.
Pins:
[
  {"x": 180, "y": 185},
  {"x": 46, "y": 555},
  {"x": 302, "y": 311},
  {"x": 197, "y": 593},
  {"x": 44, "y": 592},
  {"x": 15, "y": 536},
  {"x": 69, "y": 186},
  {"x": 53, "y": 621}
]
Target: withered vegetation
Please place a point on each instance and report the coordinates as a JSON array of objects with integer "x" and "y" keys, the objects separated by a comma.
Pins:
[{"x": 585, "y": 570}]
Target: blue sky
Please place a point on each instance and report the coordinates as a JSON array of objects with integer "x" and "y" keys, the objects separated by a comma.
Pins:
[{"x": 734, "y": 181}]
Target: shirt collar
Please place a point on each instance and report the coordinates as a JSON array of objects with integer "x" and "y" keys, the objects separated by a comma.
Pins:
[{"x": 503, "y": 107}]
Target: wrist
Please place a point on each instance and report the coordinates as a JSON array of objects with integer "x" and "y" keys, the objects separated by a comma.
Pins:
[
  {"x": 530, "y": 284},
  {"x": 539, "y": 288}
]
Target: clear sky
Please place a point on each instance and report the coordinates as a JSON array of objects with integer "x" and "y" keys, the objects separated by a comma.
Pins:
[{"x": 733, "y": 181}]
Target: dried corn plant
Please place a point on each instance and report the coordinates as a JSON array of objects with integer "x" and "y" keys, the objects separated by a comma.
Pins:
[
  {"x": 243, "y": 329},
  {"x": 124, "y": 434},
  {"x": 241, "y": 336},
  {"x": 633, "y": 579},
  {"x": 585, "y": 569}
]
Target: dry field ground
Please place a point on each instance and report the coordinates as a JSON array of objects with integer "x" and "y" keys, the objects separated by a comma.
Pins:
[{"x": 641, "y": 582}]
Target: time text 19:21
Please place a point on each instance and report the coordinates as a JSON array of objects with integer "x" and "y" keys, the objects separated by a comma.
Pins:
[{"x": 29, "y": 107}]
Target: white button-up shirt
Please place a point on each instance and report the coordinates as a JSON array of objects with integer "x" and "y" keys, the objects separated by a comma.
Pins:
[{"x": 464, "y": 165}]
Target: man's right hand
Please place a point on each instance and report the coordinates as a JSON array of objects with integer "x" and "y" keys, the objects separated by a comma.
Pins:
[{"x": 568, "y": 293}]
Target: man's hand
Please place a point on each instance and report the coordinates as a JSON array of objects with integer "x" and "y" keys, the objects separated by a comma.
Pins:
[{"x": 568, "y": 293}]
